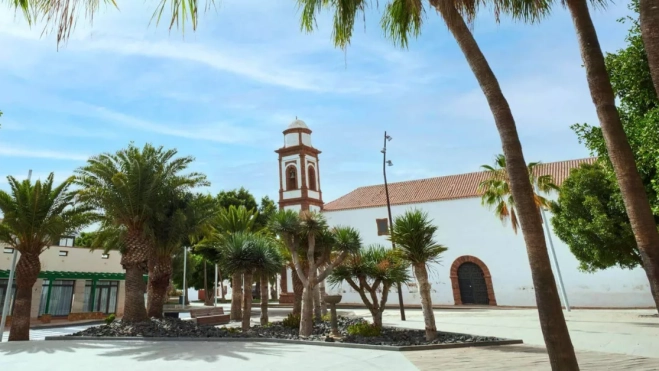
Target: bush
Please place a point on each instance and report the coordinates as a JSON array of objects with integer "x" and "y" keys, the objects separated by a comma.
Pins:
[
  {"x": 292, "y": 321},
  {"x": 109, "y": 319},
  {"x": 327, "y": 317},
  {"x": 364, "y": 329},
  {"x": 231, "y": 330}
]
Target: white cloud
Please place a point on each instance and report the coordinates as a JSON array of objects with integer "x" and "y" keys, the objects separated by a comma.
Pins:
[{"x": 7, "y": 150}]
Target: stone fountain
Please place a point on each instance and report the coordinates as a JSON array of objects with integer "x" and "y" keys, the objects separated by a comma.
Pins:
[{"x": 333, "y": 300}]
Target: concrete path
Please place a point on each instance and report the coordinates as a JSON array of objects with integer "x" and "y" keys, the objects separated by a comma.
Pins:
[{"x": 40, "y": 334}]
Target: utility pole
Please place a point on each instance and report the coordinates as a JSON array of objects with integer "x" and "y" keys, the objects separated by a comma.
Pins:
[
  {"x": 386, "y": 191},
  {"x": 215, "y": 289},
  {"x": 10, "y": 282},
  {"x": 185, "y": 272}
]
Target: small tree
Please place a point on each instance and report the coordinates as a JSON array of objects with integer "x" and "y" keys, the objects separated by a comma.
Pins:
[
  {"x": 414, "y": 235},
  {"x": 369, "y": 272}
]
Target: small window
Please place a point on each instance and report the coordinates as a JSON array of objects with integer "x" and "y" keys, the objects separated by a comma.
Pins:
[
  {"x": 311, "y": 178},
  {"x": 105, "y": 256},
  {"x": 63, "y": 253},
  {"x": 66, "y": 241},
  {"x": 383, "y": 226},
  {"x": 291, "y": 178},
  {"x": 8, "y": 250}
]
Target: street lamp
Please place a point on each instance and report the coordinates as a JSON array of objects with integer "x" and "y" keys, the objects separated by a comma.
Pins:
[{"x": 385, "y": 162}]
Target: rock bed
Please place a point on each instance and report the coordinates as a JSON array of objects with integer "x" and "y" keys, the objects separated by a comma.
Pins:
[{"x": 171, "y": 327}]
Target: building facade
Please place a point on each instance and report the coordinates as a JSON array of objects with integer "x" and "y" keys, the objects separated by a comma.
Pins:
[
  {"x": 486, "y": 262},
  {"x": 75, "y": 283}
]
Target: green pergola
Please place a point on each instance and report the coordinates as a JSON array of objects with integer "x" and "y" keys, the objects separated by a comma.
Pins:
[{"x": 52, "y": 276}]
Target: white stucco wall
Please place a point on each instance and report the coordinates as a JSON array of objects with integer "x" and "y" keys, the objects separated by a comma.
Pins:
[
  {"x": 467, "y": 228},
  {"x": 291, "y": 140},
  {"x": 79, "y": 259}
]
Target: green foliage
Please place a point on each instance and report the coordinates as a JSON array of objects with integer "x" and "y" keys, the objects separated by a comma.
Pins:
[
  {"x": 36, "y": 215},
  {"x": 364, "y": 329},
  {"x": 414, "y": 235},
  {"x": 267, "y": 209},
  {"x": 231, "y": 330},
  {"x": 85, "y": 239},
  {"x": 372, "y": 267},
  {"x": 237, "y": 198},
  {"x": 496, "y": 190},
  {"x": 326, "y": 318},
  {"x": 291, "y": 321},
  {"x": 639, "y": 111},
  {"x": 109, "y": 319},
  {"x": 591, "y": 219}
]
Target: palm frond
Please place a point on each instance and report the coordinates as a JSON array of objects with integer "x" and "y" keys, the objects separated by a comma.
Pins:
[{"x": 414, "y": 234}]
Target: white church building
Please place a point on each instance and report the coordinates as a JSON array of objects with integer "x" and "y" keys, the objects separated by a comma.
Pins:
[{"x": 486, "y": 262}]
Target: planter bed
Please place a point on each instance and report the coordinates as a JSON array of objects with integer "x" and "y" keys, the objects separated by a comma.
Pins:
[{"x": 176, "y": 329}]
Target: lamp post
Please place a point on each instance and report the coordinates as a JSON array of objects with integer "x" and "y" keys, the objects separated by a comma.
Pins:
[
  {"x": 10, "y": 283},
  {"x": 386, "y": 191},
  {"x": 185, "y": 273}
]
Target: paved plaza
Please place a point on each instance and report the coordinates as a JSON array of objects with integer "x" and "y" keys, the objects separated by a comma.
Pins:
[{"x": 604, "y": 339}]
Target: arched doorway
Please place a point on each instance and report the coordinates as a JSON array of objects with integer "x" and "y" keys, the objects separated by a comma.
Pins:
[{"x": 471, "y": 282}]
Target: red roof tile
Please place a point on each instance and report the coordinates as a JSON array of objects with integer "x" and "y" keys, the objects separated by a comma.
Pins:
[{"x": 437, "y": 189}]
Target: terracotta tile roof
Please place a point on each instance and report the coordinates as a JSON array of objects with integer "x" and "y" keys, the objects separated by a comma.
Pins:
[{"x": 437, "y": 189}]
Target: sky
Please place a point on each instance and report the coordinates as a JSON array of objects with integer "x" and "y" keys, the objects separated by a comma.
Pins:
[{"x": 225, "y": 93}]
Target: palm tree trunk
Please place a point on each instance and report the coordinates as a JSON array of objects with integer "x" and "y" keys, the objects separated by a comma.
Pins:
[
  {"x": 27, "y": 272},
  {"x": 421, "y": 274},
  {"x": 306, "y": 317},
  {"x": 620, "y": 152},
  {"x": 236, "y": 297},
  {"x": 323, "y": 293},
  {"x": 298, "y": 290},
  {"x": 649, "y": 19},
  {"x": 135, "y": 261},
  {"x": 221, "y": 280},
  {"x": 317, "y": 315},
  {"x": 264, "y": 299},
  {"x": 247, "y": 301},
  {"x": 160, "y": 272},
  {"x": 554, "y": 329}
]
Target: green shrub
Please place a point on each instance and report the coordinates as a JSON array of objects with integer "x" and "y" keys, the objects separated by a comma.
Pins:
[
  {"x": 231, "y": 330},
  {"x": 292, "y": 321},
  {"x": 364, "y": 329},
  {"x": 109, "y": 319},
  {"x": 327, "y": 317}
]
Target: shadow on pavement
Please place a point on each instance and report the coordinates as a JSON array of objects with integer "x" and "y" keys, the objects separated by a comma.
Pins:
[{"x": 148, "y": 351}]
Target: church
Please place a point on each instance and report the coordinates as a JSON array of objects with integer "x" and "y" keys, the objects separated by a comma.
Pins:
[{"x": 486, "y": 262}]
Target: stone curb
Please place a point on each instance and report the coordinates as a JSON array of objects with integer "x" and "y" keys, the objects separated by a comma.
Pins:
[
  {"x": 61, "y": 325},
  {"x": 287, "y": 341}
]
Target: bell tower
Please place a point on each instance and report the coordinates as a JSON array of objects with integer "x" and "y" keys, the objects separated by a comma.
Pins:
[{"x": 299, "y": 174}]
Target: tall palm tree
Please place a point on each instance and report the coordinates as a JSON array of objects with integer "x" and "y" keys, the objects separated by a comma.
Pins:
[
  {"x": 35, "y": 216},
  {"x": 130, "y": 187},
  {"x": 186, "y": 217},
  {"x": 229, "y": 221},
  {"x": 402, "y": 19},
  {"x": 376, "y": 269},
  {"x": 414, "y": 235},
  {"x": 620, "y": 152},
  {"x": 649, "y": 20},
  {"x": 269, "y": 262},
  {"x": 62, "y": 15},
  {"x": 496, "y": 190}
]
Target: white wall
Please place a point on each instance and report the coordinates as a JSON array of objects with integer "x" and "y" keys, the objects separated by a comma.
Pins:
[
  {"x": 79, "y": 259},
  {"x": 467, "y": 228}
]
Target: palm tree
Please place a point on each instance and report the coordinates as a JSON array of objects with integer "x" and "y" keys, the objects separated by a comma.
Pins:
[
  {"x": 402, "y": 19},
  {"x": 376, "y": 269},
  {"x": 496, "y": 190},
  {"x": 186, "y": 217},
  {"x": 269, "y": 263},
  {"x": 35, "y": 217},
  {"x": 649, "y": 20},
  {"x": 130, "y": 188},
  {"x": 414, "y": 235},
  {"x": 229, "y": 221},
  {"x": 291, "y": 227},
  {"x": 62, "y": 15},
  {"x": 620, "y": 152}
]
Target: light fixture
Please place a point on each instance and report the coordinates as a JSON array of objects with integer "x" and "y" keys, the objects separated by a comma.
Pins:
[
  {"x": 63, "y": 253},
  {"x": 389, "y": 138},
  {"x": 390, "y": 163},
  {"x": 8, "y": 250},
  {"x": 384, "y": 150}
]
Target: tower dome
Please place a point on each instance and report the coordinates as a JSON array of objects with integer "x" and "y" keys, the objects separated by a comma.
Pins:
[{"x": 298, "y": 124}]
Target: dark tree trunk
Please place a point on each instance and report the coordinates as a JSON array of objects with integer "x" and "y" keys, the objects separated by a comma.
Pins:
[
  {"x": 236, "y": 297},
  {"x": 160, "y": 272},
  {"x": 620, "y": 152},
  {"x": 554, "y": 329},
  {"x": 221, "y": 281},
  {"x": 27, "y": 272},
  {"x": 247, "y": 301},
  {"x": 207, "y": 299},
  {"x": 264, "y": 299},
  {"x": 649, "y": 19},
  {"x": 135, "y": 261},
  {"x": 298, "y": 289}
]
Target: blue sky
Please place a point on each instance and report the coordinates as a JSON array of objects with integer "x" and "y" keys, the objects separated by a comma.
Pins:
[{"x": 225, "y": 93}]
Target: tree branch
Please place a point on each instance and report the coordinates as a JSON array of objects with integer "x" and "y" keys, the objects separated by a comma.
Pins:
[{"x": 334, "y": 264}]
